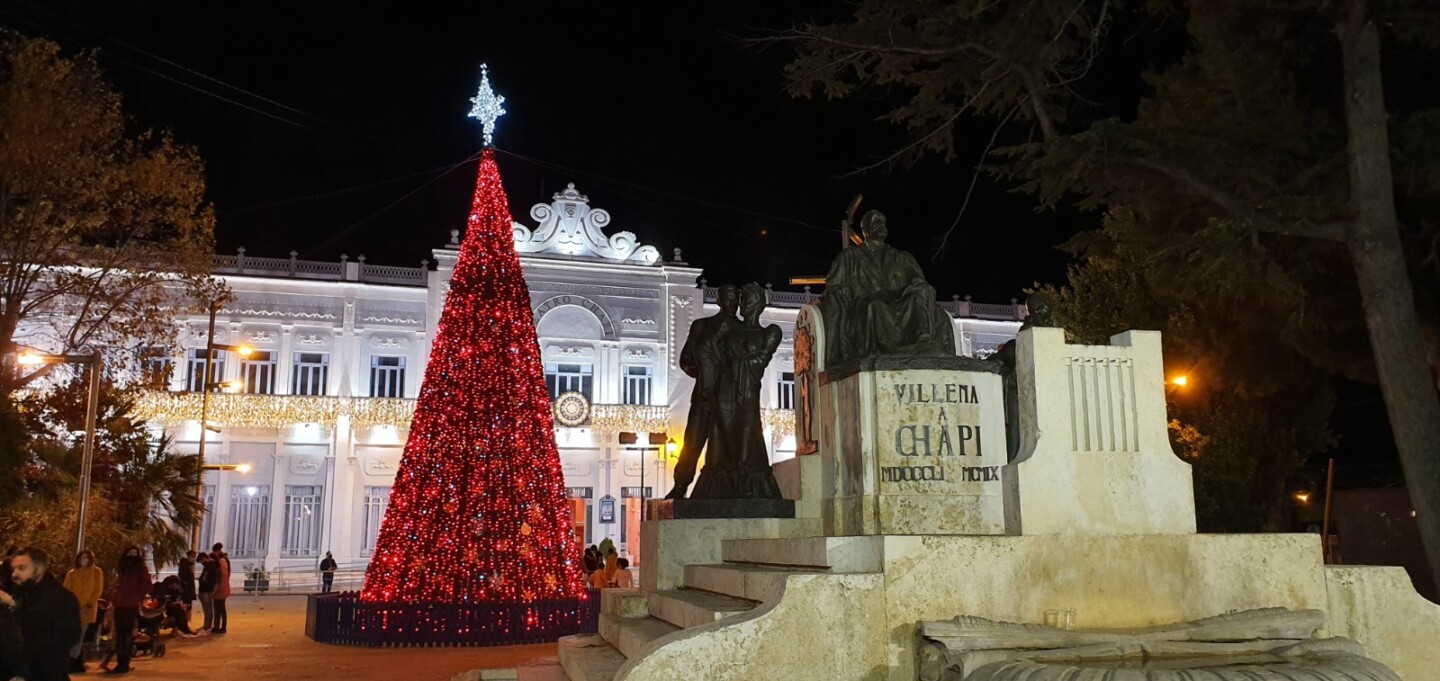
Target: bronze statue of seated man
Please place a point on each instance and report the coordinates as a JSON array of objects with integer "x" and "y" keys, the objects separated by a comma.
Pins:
[{"x": 877, "y": 302}]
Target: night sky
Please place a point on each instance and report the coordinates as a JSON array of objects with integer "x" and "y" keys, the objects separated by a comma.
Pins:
[
  {"x": 334, "y": 128},
  {"x": 656, "y": 111}
]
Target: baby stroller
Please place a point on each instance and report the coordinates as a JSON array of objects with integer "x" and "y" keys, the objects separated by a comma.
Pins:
[
  {"x": 147, "y": 632},
  {"x": 96, "y": 641}
]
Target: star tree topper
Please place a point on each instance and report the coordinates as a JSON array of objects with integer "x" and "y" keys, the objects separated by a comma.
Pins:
[{"x": 488, "y": 106}]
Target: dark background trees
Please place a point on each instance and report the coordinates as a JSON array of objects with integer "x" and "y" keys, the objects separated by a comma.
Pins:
[{"x": 1245, "y": 178}]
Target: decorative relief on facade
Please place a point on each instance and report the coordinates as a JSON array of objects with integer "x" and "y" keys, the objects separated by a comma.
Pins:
[
  {"x": 201, "y": 331},
  {"x": 389, "y": 342},
  {"x": 680, "y": 315},
  {"x": 304, "y": 465},
  {"x": 260, "y": 336},
  {"x": 639, "y": 322},
  {"x": 349, "y": 321},
  {"x": 593, "y": 290},
  {"x": 569, "y": 226},
  {"x": 607, "y": 326},
  {"x": 381, "y": 466},
  {"x": 633, "y": 466},
  {"x": 639, "y": 353},
  {"x": 322, "y": 309},
  {"x": 312, "y": 339},
  {"x": 571, "y": 350},
  {"x": 389, "y": 320}
]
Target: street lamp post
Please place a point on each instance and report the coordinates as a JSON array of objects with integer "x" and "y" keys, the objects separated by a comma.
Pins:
[
  {"x": 92, "y": 405},
  {"x": 206, "y": 385}
]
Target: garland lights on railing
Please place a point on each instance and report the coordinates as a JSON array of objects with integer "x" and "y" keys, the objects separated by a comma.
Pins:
[{"x": 280, "y": 411}]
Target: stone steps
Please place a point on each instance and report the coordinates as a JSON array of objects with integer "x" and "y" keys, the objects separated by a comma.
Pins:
[
  {"x": 587, "y": 657},
  {"x": 763, "y": 584},
  {"x": 837, "y": 554},
  {"x": 631, "y": 635},
  {"x": 687, "y": 608},
  {"x": 623, "y": 603},
  {"x": 544, "y": 669}
]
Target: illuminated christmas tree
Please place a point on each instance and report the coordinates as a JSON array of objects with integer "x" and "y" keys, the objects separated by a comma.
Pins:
[{"x": 478, "y": 512}]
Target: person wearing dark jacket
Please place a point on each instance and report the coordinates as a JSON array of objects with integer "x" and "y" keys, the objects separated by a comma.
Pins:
[
  {"x": 12, "y": 650},
  {"x": 186, "y": 572},
  {"x": 49, "y": 617},
  {"x": 327, "y": 573},
  {"x": 168, "y": 592},
  {"x": 129, "y": 591},
  {"x": 209, "y": 577}
]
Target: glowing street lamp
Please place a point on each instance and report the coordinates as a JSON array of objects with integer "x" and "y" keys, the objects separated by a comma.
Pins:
[
  {"x": 92, "y": 405},
  {"x": 1182, "y": 380},
  {"x": 241, "y": 468},
  {"x": 206, "y": 385}
]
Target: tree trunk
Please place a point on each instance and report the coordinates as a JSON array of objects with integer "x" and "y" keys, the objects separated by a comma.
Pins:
[{"x": 1388, "y": 300}]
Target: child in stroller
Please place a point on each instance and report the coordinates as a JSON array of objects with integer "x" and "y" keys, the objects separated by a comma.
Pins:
[
  {"x": 161, "y": 609},
  {"x": 147, "y": 632}
]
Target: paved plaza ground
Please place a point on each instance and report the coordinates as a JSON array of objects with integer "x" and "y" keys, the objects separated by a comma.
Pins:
[{"x": 267, "y": 641}]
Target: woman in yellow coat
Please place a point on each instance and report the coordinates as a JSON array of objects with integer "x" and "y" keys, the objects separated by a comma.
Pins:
[{"x": 87, "y": 582}]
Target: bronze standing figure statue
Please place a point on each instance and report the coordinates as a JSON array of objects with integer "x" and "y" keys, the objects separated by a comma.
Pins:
[
  {"x": 697, "y": 361},
  {"x": 737, "y": 463}
]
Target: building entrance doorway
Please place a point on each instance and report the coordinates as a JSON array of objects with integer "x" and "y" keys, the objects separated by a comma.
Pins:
[
  {"x": 581, "y": 516},
  {"x": 635, "y": 499}
]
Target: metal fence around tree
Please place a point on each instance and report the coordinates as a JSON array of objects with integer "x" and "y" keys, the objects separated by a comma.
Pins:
[{"x": 342, "y": 618}]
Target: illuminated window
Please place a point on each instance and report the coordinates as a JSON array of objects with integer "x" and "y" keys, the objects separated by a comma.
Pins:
[
  {"x": 637, "y": 385},
  {"x": 387, "y": 376},
  {"x": 565, "y": 378},
  {"x": 377, "y": 501},
  {"x": 310, "y": 374},
  {"x": 303, "y": 513},
  {"x": 785, "y": 391},
  {"x": 258, "y": 373},
  {"x": 195, "y": 369},
  {"x": 249, "y": 521}
]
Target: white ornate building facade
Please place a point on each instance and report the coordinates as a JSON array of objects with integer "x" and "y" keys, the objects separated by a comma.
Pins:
[{"x": 340, "y": 351}]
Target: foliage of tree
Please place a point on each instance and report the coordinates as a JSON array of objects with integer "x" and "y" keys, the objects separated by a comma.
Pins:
[
  {"x": 142, "y": 492},
  {"x": 104, "y": 234},
  {"x": 1254, "y": 410},
  {"x": 1260, "y": 161}
]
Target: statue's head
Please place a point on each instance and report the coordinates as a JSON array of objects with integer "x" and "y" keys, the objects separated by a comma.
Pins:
[
  {"x": 872, "y": 226},
  {"x": 752, "y": 300},
  {"x": 1040, "y": 307},
  {"x": 728, "y": 298}
]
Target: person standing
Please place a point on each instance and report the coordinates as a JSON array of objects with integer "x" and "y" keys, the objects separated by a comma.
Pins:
[
  {"x": 129, "y": 591},
  {"x": 87, "y": 581},
  {"x": 209, "y": 578},
  {"x": 49, "y": 617},
  {"x": 12, "y": 651},
  {"x": 327, "y": 573},
  {"x": 186, "y": 572},
  {"x": 222, "y": 587}
]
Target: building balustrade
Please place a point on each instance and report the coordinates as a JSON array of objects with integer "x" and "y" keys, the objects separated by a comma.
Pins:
[
  {"x": 280, "y": 411},
  {"x": 343, "y": 270},
  {"x": 957, "y": 307}
]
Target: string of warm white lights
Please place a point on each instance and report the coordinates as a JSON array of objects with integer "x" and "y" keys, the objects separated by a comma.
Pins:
[{"x": 280, "y": 411}]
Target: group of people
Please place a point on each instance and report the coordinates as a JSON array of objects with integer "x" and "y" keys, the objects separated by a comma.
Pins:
[
  {"x": 45, "y": 621},
  {"x": 607, "y": 569}
]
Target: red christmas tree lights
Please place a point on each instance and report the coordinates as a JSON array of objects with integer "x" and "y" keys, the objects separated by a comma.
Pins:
[{"x": 478, "y": 512}]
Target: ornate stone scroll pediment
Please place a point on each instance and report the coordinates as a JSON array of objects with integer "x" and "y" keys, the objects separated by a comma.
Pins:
[
  {"x": 1269, "y": 643},
  {"x": 569, "y": 226}
]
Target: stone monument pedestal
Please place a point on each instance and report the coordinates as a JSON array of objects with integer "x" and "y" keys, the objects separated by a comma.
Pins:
[
  {"x": 913, "y": 445},
  {"x": 690, "y": 509}
]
